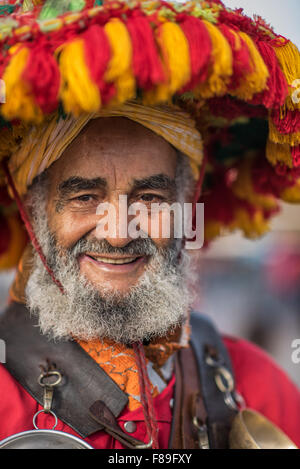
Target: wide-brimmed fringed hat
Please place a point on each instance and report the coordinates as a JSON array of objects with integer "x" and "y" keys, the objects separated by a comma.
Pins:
[{"x": 216, "y": 84}]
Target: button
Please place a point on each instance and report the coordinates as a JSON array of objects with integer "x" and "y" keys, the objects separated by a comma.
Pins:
[
  {"x": 171, "y": 403},
  {"x": 130, "y": 427}
]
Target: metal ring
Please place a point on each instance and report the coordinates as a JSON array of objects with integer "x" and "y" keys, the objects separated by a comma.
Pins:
[
  {"x": 210, "y": 361},
  {"x": 46, "y": 375},
  {"x": 239, "y": 400},
  {"x": 145, "y": 446},
  {"x": 224, "y": 380},
  {"x": 230, "y": 402},
  {"x": 42, "y": 411}
]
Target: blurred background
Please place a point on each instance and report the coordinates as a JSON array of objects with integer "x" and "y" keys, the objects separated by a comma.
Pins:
[{"x": 252, "y": 288}]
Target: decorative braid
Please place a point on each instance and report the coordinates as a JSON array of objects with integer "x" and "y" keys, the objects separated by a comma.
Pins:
[
  {"x": 149, "y": 399},
  {"x": 28, "y": 225},
  {"x": 146, "y": 396},
  {"x": 142, "y": 391}
]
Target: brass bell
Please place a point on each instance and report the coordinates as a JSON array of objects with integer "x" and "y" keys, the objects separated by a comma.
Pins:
[{"x": 251, "y": 430}]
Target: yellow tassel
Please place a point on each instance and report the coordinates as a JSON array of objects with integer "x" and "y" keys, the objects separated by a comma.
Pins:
[
  {"x": 212, "y": 230},
  {"x": 279, "y": 154},
  {"x": 78, "y": 92},
  {"x": 20, "y": 103},
  {"x": 10, "y": 258},
  {"x": 244, "y": 190},
  {"x": 255, "y": 81},
  {"x": 289, "y": 59},
  {"x": 119, "y": 68},
  {"x": 221, "y": 66},
  {"x": 176, "y": 57},
  {"x": 252, "y": 226},
  {"x": 276, "y": 137},
  {"x": 292, "y": 194}
]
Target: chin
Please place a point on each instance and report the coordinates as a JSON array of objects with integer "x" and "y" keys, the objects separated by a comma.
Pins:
[{"x": 105, "y": 286}]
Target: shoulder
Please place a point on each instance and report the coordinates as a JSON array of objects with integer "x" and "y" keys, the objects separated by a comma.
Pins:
[{"x": 265, "y": 386}]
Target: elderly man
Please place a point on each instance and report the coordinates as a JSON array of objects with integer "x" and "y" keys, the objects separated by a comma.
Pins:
[{"x": 119, "y": 359}]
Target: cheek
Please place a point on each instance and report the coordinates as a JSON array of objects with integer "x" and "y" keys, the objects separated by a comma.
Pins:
[
  {"x": 70, "y": 227},
  {"x": 161, "y": 228}
]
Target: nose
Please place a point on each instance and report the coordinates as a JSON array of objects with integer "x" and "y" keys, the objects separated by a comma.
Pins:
[{"x": 113, "y": 224}]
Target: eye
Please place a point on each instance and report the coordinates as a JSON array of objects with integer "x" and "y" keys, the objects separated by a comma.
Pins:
[
  {"x": 85, "y": 198},
  {"x": 150, "y": 197}
]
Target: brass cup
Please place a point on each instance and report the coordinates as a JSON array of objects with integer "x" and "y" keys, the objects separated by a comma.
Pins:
[{"x": 251, "y": 430}]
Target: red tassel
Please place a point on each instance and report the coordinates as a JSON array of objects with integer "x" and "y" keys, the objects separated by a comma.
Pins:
[
  {"x": 231, "y": 109},
  {"x": 147, "y": 66},
  {"x": 199, "y": 40},
  {"x": 241, "y": 57},
  {"x": 267, "y": 181},
  {"x": 214, "y": 209},
  {"x": 239, "y": 21},
  {"x": 296, "y": 156},
  {"x": 277, "y": 87},
  {"x": 43, "y": 75},
  {"x": 97, "y": 53},
  {"x": 289, "y": 124}
]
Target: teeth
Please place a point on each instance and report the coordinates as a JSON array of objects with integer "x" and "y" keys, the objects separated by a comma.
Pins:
[{"x": 126, "y": 260}]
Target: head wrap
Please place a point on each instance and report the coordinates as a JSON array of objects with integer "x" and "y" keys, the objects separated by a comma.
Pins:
[{"x": 45, "y": 143}]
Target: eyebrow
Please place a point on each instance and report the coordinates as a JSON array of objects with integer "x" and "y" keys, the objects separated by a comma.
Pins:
[
  {"x": 77, "y": 184},
  {"x": 157, "y": 181}
]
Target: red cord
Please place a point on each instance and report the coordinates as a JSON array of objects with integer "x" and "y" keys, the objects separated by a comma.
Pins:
[
  {"x": 146, "y": 396},
  {"x": 28, "y": 225}
]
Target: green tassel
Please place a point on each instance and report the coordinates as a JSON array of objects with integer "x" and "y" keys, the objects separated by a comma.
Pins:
[
  {"x": 6, "y": 9},
  {"x": 54, "y": 8},
  {"x": 77, "y": 5}
]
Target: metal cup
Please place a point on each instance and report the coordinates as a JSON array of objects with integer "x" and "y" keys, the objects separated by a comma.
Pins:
[
  {"x": 43, "y": 439},
  {"x": 251, "y": 430}
]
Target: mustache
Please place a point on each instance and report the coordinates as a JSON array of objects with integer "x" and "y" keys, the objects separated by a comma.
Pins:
[{"x": 136, "y": 247}]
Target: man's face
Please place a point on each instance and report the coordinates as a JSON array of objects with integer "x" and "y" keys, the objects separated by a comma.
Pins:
[{"x": 109, "y": 158}]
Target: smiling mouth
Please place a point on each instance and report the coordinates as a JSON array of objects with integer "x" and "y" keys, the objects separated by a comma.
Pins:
[{"x": 114, "y": 261}]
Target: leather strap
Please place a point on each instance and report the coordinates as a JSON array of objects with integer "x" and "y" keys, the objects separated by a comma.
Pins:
[
  {"x": 84, "y": 382},
  {"x": 188, "y": 408},
  {"x": 201, "y": 418},
  {"x": 102, "y": 414},
  {"x": 207, "y": 342}
]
